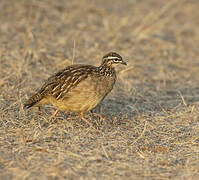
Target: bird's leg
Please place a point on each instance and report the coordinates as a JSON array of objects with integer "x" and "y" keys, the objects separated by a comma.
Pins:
[
  {"x": 39, "y": 110},
  {"x": 85, "y": 120},
  {"x": 54, "y": 114}
]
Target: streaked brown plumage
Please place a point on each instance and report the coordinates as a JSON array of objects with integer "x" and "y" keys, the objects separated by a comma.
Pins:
[{"x": 78, "y": 88}]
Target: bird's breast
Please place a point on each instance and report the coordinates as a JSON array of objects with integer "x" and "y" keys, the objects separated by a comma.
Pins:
[{"x": 86, "y": 95}]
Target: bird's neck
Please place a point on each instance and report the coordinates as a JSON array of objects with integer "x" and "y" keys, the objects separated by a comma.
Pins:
[{"x": 106, "y": 70}]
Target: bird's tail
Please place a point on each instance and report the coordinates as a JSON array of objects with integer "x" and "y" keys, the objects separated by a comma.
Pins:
[{"x": 33, "y": 100}]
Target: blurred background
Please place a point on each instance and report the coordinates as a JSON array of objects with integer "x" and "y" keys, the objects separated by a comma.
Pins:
[{"x": 158, "y": 39}]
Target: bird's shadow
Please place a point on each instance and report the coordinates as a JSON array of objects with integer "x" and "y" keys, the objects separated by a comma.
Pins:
[{"x": 146, "y": 102}]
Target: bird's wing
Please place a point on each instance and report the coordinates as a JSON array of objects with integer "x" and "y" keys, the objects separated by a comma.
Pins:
[{"x": 65, "y": 80}]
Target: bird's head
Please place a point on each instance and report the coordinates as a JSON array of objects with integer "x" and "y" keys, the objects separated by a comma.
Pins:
[{"x": 112, "y": 58}]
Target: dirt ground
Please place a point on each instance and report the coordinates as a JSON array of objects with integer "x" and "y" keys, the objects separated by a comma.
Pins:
[{"x": 148, "y": 125}]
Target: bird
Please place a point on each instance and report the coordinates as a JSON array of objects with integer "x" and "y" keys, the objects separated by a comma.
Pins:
[{"x": 78, "y": 88}]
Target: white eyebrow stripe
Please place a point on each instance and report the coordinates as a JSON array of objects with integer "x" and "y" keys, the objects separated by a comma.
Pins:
[{"x": 111, "y": 58}]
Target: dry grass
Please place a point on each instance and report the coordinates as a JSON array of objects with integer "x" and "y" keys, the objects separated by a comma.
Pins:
[{"x": 149, "y": 124}]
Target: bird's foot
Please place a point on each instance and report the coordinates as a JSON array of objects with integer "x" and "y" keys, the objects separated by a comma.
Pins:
[
  {"x": 85, "y": 120},
  {"x": 54, "y": 115}
]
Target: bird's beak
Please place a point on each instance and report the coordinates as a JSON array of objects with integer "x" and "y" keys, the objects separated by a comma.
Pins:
[{"x": 124, "y": 63}]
